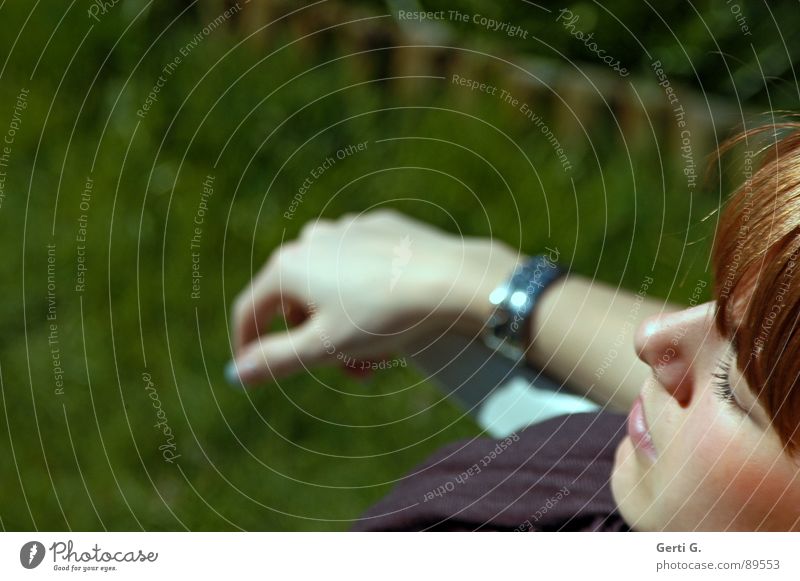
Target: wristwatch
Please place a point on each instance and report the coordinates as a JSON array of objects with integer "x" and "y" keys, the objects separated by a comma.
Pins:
[{"x": 514, "y": 301}]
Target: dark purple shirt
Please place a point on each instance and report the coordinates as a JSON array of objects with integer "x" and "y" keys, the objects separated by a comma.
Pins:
[{"x": 552, "y": 476}]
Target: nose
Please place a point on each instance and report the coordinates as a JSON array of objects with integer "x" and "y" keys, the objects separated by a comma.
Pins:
[{"x": 671, "y": 345}]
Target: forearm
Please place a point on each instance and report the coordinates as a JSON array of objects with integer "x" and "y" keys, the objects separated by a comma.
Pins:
[{"x": 582, "y": 332}]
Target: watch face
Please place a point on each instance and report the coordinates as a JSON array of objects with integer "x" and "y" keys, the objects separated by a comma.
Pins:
[
  {"x": 514, "y": 301},
  {"x": 499, "y": 295}
]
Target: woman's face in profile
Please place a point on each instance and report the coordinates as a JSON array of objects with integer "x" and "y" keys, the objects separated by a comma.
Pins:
[{"x": 700, "y": 456}]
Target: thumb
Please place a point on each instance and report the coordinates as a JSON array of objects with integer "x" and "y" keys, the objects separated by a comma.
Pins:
[{"x": 277, "y": 354}]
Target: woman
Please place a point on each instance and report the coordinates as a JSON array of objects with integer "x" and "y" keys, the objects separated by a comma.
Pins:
[{"x": 710, "y": 441}]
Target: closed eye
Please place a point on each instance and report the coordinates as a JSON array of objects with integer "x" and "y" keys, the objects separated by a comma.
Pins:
[{"x": 722, "y": 384}]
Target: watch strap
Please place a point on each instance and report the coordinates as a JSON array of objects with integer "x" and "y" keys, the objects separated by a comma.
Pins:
[{"x": 514, "y": 302}]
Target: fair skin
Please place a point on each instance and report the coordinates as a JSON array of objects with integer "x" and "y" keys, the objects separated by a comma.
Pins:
[
  {"x": 718, "y": 464},
  {"x": 370, "y": 285}
]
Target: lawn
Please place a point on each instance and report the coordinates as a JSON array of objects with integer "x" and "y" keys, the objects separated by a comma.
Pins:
[{"x": 151, "y": 175}]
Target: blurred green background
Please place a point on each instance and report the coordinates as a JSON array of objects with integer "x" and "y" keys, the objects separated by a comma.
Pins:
[{"x": 257, "y": 100}]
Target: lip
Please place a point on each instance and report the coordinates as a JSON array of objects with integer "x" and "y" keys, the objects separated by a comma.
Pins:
[{"x": 639, "y": 432}]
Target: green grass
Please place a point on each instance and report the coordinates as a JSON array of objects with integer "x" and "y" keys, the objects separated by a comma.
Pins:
[{"x": 278, "y": 457}]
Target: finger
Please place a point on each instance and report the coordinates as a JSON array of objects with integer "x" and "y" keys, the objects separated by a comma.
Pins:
[
  {"x": 256, "y": 306},
  {"x": 276, "y": 355}
]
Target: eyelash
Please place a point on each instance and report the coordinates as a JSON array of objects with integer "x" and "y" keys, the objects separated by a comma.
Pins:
[{"x": 722, "y": 383}]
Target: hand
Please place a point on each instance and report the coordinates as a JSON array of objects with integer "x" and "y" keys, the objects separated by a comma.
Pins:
[{"x": 361, "y": 287}]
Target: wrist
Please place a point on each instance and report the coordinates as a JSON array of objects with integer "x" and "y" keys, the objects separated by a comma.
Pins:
[
  {"x": 486, "y": 264},
  {"x": 515, "y": 300}
]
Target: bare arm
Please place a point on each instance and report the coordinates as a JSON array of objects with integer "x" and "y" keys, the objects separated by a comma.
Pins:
[{"x": 582, "y": 332}]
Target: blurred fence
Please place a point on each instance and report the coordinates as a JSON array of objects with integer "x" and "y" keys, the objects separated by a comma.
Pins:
[{"x": 644, "y": 106}]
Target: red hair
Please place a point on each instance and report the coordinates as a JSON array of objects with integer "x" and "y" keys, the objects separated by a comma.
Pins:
[{"x": 757, "y": 273}]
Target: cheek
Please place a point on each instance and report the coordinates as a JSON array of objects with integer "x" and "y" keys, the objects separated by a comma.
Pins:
[
  {"x": 713, "y": 446},
  {"x": 724, "y": 471},
  {"x": 734, "y": 481},
  {"x": 700, "y": 460}
]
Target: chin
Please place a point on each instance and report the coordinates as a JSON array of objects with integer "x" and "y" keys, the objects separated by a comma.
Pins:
[
  {"x": 628, "y": 487},
  {"x": 624, "y": 457}
]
